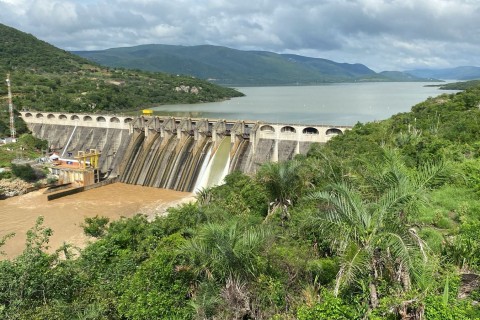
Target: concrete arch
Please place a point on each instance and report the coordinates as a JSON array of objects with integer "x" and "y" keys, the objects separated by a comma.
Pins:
[
  {"x": 62, "y": 117},
  {"x": 115, "y": 120},
  {"x": 87, "y": 118},
  {"x": 310, "y": 130},
  {"x": 74, "y": 117},
  {"x": 101, "y": 119},
  {"x": 288, "y": 129},
  {"x": 127, "y": 120},
  {"x": 333, "y": 131},
  {"x": 28, "y": 115},
  {"x": 39, "y": 115},
  {"x": 50, "y": 116},
  {"x": 267, "y": 128}
]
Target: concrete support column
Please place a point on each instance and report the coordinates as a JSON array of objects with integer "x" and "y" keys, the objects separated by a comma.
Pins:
[
  {"x": 254, "y": 137},
  {"x": 130, "y": 128},
  {"x": 195, "y": 134},
  {"x": 275, "y": 151}
]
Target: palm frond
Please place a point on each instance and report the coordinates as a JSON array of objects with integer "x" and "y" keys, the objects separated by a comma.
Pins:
[{"x": 355, "y": 263}]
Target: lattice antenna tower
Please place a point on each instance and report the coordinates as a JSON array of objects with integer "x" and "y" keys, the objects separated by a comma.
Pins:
[{"x": 10, "y": 109}]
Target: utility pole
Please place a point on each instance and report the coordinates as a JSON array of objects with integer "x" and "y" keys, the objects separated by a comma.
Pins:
[{"x": 10, "y": 109}]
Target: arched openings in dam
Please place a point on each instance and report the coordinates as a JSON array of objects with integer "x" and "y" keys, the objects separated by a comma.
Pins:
[
  {"x": 87, "y": 118},
  {"x": 50, "y": 116},
  {"x": 114, "y": 120},
  {"x": 288, "y": 129},
  {"x": 310, "y": 130},
  {"x": 333, "y": 131},
  {"x": 127, "y": 120},
  {"x": 267, "y": 129},
  {"x": 62, "y": 117},
  {"x": 28, "y": 115},
  {"x": 101, "y": 119},
  {"x": 39, "y": 115},
  {"x": 74, "y": 117}
]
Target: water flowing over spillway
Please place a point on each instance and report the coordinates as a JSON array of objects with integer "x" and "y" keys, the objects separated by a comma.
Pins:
[
  {"x": 216, "y": 166},
  {"x": 175, "y": 163}
]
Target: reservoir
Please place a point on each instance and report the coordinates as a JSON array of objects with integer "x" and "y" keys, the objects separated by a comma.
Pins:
[{"x": 338, "y": 104}]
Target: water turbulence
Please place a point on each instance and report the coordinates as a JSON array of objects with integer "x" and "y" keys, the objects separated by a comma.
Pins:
[
  {"x": 185, "y": 154},
  {"x": 217, "y": 167},
  {"x": 172, "y": 158}
]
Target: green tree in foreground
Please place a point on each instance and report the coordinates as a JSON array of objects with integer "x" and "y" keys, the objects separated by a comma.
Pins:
[
  {"x": 370, "y": 231},
  {"x": 284, "y": 184}
]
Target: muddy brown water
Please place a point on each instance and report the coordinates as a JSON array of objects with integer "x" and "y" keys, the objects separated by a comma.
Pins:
[{"x": 65, "y": 215}]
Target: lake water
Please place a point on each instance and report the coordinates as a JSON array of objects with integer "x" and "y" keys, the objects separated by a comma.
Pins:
[{"x": 339, "y": 104}]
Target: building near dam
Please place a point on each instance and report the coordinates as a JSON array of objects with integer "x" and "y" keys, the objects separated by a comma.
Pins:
[{"x": 183, "y": 154}]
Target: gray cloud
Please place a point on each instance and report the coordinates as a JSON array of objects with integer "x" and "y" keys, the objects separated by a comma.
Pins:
[{"x": 383, "y": 34}]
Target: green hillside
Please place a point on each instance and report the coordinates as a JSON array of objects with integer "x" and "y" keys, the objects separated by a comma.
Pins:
[
  {"x": 236, "y": 67},
  {"x": 46, "y": 78}
]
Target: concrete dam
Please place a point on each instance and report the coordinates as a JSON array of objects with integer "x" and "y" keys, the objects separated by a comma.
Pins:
[{"x": 183, "y": 154}]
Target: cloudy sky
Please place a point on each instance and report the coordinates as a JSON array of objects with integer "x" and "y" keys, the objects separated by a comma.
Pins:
[{"x": 382, "y": 34}]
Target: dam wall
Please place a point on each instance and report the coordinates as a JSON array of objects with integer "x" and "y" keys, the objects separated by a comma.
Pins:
[{"x": 183, "y": 154}]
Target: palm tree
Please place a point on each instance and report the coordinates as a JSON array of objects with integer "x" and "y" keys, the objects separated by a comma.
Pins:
[
  {"x": 284, "y": 183},
  {"x": 368, "y": 226},
  {"x": 220, "y": 251},
  {"x": 227, "y": 256}
]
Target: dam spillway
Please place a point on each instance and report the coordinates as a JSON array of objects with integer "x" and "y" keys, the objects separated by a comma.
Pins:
[{"x": 182, "y": 154}]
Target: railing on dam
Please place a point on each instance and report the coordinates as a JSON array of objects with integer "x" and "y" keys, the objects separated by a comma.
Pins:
[
  {"x": 246, "y": 129},
  {"x": 78, "y": 119}
]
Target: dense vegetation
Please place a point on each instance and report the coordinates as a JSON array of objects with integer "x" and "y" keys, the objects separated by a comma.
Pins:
[
  {"x": 464, "y": 85},
  {"x": 236, "y": 67},
  {"x": 380, "y": 223},
  {"x": 46, "y": 78}
]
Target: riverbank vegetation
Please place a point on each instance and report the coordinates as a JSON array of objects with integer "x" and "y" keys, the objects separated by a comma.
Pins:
[{"x": 380, "y": 223}]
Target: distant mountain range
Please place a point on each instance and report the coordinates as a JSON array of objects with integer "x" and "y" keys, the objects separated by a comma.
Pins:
[
  {"x": 228, "y": 66},
  {"x": 458, "y": 73}
]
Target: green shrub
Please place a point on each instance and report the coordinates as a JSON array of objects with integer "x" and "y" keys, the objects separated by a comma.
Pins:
[
  {"x": 436, "y": 309},
  {"x": 96, "y": 226},
  {"x": 24, "y": 172},
  {"x": 329, "y": 308},
  {"x": 324, "y": 270},
  {"x": 5, "y": 175}
]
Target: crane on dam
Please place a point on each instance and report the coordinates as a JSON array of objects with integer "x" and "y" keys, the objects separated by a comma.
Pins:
[{"x": 10, "y": 109}]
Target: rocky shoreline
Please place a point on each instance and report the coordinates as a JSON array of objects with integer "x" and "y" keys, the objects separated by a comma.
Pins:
[{"x": 14, "y": 187}]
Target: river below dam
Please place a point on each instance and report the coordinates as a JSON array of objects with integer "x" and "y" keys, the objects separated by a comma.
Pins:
[{"x": 65, "y": 215}]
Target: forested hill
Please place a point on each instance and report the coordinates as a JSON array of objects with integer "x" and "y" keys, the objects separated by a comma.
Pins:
[
  {"x": 23, "y": 52},
  {"x": 237, "y": 67},
  {"x": 47, "y": 78}
]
